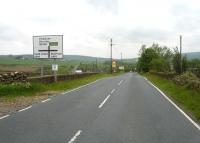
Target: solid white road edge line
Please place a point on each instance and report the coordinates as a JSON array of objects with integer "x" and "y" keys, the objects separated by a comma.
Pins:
[
  {"x": 46, "y": 100},
  {"x": 4, "y": 117},
  {"x": 25, "y": 109},
  {"x": 75, "y": 136},
  {"x": 190, "y": 119},
  {"x": 80, "y": 87},
  {"x": 101, "y": 105},
  {"x": 113, "y": 91}
]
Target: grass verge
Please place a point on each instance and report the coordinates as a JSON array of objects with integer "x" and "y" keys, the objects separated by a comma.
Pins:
[
  {"x": 35, "y": 88},
  {"x": 188, "y": 99}
]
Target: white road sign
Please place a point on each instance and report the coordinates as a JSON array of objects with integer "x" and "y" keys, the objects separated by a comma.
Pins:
[
  {"x": 48, "y": 47},
  {"x": 121, "y": 67},
  {"x": 54, "y": 67}
]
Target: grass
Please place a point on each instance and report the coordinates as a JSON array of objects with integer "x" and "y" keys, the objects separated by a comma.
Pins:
[
  {"x": 35, "y": 88},
  {"x": 188, "y": 99}
]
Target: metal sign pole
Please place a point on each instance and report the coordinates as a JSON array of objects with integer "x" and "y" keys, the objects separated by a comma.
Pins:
[
  {"x": 55, "y": 73},
  {"x": 41, "y": 68}
]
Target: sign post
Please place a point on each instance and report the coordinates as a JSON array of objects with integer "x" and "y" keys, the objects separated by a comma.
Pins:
[
  {"x": 48, "y": 47},
  {"x": 55, "y": 69},
  {"x": 114, "y": 65}
]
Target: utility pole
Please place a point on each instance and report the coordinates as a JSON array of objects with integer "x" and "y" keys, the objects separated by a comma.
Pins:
[
  {"x": 111, "y": 44},
  {"x": 180, "y": 53},
  {"x": 121, "y": 56},
  {"x": 96, "y": 65}
]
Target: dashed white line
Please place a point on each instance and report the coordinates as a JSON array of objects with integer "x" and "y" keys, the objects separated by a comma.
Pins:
[
  {"x": 120, "y": 82},
  {"x": 25, "y": 109},
  {"x": 75, "y": 137},
  {"x": 46, "y": 100},
  {"x": 113, "y": 91},
  {"x": 101, "y": 105},
  {"x": 179, "y": 109},
  {"x": 4, "y": 117}
]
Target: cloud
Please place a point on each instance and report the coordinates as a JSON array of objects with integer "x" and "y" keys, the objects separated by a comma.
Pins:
[
  {"x": 105, "y": 5},
  {"x": 88, "y": 25},
  {"x": 8, "y": 33}
]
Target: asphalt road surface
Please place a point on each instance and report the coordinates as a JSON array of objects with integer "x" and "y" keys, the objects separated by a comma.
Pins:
[{"x": 122, "y": 109}]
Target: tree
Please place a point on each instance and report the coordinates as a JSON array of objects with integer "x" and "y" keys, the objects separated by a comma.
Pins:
[
  {"x": 176, "y": 62},
  {"x": 146, "y": 56},
  {"x": 184, "y": 64},
  {"x": 154, "y": 56},
  {"x": 159, "y": 65}
]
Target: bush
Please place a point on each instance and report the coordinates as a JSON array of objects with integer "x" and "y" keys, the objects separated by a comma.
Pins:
[{"x": 188, "y": 79}]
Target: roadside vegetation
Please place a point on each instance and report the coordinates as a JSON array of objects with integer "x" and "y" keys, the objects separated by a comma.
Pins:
[
  {"x": 162, "y": 66},
  {"x": 13, "y": 90}
]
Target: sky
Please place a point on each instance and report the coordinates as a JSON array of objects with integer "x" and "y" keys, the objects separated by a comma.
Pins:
[{"x": 88, "y": 25}]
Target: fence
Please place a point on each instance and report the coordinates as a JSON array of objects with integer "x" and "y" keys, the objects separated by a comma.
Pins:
[{"x": 50, "y": 78}]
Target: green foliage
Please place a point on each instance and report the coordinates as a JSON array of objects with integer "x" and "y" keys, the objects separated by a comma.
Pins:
[
  {"x": 177, "y": 62},
  {"x": 159, "y": 65},
  {"x": 146, "y": 57},
  {"x": 154, "y": 58},
  {"x": 184, "y": 64},
  {"x": 21, "y": 89}
]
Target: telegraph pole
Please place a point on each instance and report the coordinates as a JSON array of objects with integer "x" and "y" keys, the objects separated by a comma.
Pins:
[
  {"x": 180, "y": 53},
  {"x": 121, "y": 60},
  {"x": 96, "y": 65},
  {"x": 111, "y": 44}
]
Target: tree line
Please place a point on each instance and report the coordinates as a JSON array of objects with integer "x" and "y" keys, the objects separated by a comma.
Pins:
[{"x": 161, "y": 59}]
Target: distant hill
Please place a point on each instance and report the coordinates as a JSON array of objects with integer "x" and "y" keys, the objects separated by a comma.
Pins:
[
  {"x": 89, "y": 58},
  {"x": 193, "y": 55},
  {"x": 78, "y": 58},
  {"x": 83, "y": 58}
]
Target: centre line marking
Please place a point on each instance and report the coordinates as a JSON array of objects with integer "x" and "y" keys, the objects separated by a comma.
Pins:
[
  {"x": 101, "y": 105},
  {"x": 4, "y": 117},
  {"x": 120, "y": 82},
  {"x": 46, "y": 100},
  {"x": 75, "y": 136},
  {"x": 112, "y": 91},
  {"x": 25, "y": 109}
]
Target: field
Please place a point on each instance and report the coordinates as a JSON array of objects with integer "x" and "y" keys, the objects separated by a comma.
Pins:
[{"x": 33, "y": 66}]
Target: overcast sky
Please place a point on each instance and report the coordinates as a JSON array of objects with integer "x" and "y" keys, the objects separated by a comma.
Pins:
[{"x": 88, "y": 25}]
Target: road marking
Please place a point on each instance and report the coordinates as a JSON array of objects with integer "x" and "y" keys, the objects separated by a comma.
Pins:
[
  {"x": 4, "y": 117},
  {"x": 25, "y": 109},
  {"x": 145, "y": 78},
  {"x": 113, "y": 91},
  {"x": 193, "y": 122},
  {"x": 101, "y": 105},
  {"x": 80, "y": 87},
  {"x": 75, "y": 137},
  {"x": 46, "y": 100},
  {"x": 120, "y": 82}
]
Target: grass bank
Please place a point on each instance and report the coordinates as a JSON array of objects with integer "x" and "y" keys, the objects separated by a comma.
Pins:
[
  {"x": 188, "y": 99},
  {"x": 35, "y": 88}
]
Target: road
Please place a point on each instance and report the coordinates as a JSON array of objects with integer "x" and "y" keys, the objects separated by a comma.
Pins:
[{"x": 122, "y": 109}]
